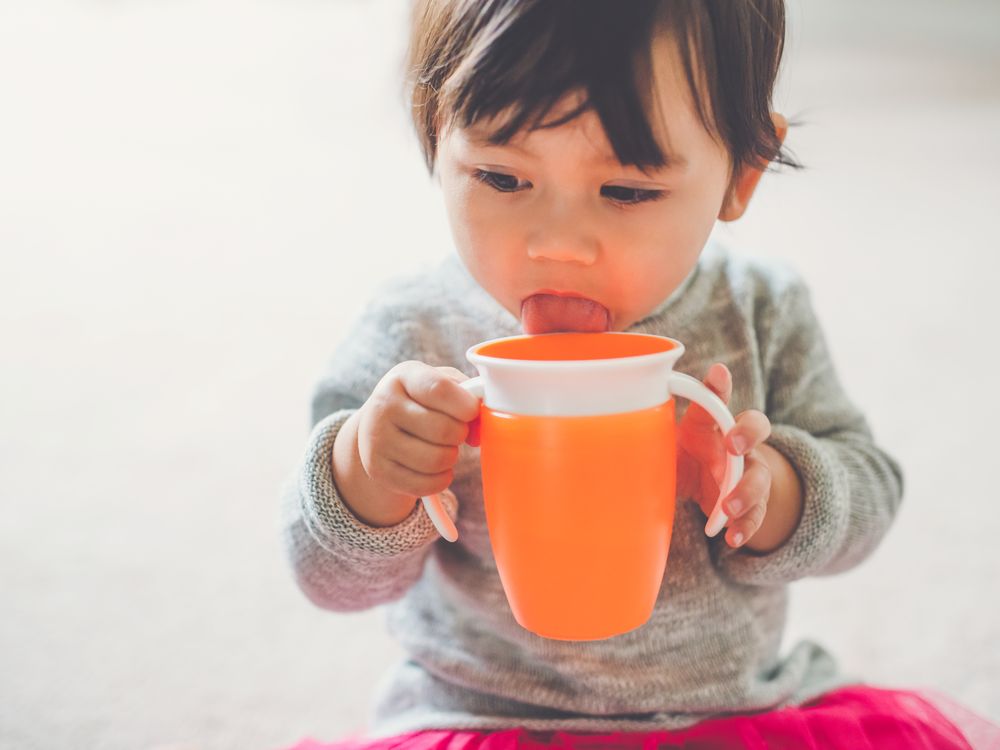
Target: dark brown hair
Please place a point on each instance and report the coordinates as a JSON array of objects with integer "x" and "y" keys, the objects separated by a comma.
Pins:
[{"x": 470, "y": 60}]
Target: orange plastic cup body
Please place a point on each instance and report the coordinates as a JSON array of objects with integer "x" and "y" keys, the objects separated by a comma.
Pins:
[{"x": 580, "y": 512}]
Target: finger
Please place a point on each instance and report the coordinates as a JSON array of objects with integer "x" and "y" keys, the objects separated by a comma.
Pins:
[
  {"x": 436, "y": 389},
  {"x": 419, "y": 455},
  {"x": 404, "y": 480},
  {"x": 452, "y": 372},
  {"x": 472, "y": 438},
  {"x": 474, "y": 433},
  {"x": 428, "y": 425},
  {"x": 746, "y": 526},
  {"x": 751, "y": 429},
  {"x": 753, "y": 489},
  {"x": 720, "y": 380}
]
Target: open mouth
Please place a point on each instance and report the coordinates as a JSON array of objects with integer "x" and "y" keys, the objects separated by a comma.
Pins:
[{"x": 552, "y": 313}]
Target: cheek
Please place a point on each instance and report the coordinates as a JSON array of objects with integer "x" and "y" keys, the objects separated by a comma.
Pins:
[
  {"x": 480, "y": 238},
  {"x": 461, "y": 211},
  {"x": 477, "y": 225},
  {"x": 665, "y": 234},
  {"x": 688, "y": 220}
]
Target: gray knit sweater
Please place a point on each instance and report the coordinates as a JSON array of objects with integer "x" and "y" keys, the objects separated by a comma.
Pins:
[{"x": 712, "y": 643}]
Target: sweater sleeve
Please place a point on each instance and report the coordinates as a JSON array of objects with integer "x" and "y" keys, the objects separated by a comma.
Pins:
[
  {"x": 339, "y": 562},
  {"x": 851, "y": 487}
]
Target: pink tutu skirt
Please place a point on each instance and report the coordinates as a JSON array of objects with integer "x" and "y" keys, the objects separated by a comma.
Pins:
[{"x": 860, "y": 717}]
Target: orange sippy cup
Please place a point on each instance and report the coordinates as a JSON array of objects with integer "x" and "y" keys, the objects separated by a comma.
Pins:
[{"x": 579, "y": 460}]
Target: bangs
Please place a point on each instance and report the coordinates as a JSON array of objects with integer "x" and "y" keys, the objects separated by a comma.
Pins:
[
  {"x": 526, "y": 63},
  {"x": 509, "y": 62}
]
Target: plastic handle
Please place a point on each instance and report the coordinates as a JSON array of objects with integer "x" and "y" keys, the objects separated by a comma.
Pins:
[
  {"x": 432, "y": 503},
  {"x": 693, "y": 390}
]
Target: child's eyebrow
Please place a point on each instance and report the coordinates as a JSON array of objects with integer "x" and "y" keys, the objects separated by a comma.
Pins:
[{"x": 673, "y": 161}]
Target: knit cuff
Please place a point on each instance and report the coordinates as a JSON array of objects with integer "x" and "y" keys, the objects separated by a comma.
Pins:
[
  {"x": 332, "y": 522},
  {"x": 822, "y": 527}
]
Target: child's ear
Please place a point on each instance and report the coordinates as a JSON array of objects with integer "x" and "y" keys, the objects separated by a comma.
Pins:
[{"x": 739, "y": 198}]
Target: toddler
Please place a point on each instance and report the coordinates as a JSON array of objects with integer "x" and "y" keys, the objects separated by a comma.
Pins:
[{"x": 584, "y": 150}]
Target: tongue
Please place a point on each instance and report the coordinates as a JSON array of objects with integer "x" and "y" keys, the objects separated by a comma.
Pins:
[{"x": 548, "y": 313}]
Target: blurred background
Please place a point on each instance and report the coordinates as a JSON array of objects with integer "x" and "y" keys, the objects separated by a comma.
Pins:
[{"x": 195, "y": 199}]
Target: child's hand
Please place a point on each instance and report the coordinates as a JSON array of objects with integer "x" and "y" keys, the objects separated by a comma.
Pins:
[
  {"x": 410, "y": 428},
  {"x": 701, "y": 461}
]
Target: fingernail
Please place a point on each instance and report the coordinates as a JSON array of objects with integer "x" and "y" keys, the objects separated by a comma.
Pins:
[
  {"x": 739, "y": 444},
  {"x": 735, "y": 506},
  {"x": 715, "y": 524},
  {"x": 737, "y": 539}
]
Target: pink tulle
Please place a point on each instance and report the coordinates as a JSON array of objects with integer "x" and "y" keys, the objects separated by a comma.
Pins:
[{"x": 860, "y": 717}]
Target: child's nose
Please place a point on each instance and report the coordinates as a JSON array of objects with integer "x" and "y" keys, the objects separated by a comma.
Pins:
[{"x": 565, "y": 238}]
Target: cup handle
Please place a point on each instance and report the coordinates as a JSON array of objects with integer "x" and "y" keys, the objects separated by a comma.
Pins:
[
  {"x": 432, "y": 503},
  {"x": 694, "y": 390}
]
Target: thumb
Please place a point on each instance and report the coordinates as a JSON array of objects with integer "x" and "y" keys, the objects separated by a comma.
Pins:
[{"x": 454, "y": 373}]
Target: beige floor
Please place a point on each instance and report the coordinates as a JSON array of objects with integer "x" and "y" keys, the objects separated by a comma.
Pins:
[{"x": 193, "y": 201}]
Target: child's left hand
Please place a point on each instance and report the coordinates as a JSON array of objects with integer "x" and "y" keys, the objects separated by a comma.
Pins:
[{"x": 701, "y": 461}]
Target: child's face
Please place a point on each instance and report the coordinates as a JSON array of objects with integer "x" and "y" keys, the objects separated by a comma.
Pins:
[{"x": 568, "y": 231}]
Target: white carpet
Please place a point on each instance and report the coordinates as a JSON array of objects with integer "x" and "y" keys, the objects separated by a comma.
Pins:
[{"x": 192, "y": 204}]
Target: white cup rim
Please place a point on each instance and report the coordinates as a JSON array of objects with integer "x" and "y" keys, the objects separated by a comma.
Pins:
[{"x": 674, "y": 353}]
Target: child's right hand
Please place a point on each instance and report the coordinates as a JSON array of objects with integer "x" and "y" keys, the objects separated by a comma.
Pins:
[{"x": 410, "y": 428}]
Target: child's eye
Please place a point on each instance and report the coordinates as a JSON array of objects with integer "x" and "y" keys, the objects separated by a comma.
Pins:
[
  {"x": 627, "y": 196},
  {"x": 622, "y": 196},
  {"x": 505, "y": 183}
]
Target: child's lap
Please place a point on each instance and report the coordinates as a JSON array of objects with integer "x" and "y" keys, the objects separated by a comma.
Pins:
[{"x": 857, "y": 717}]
